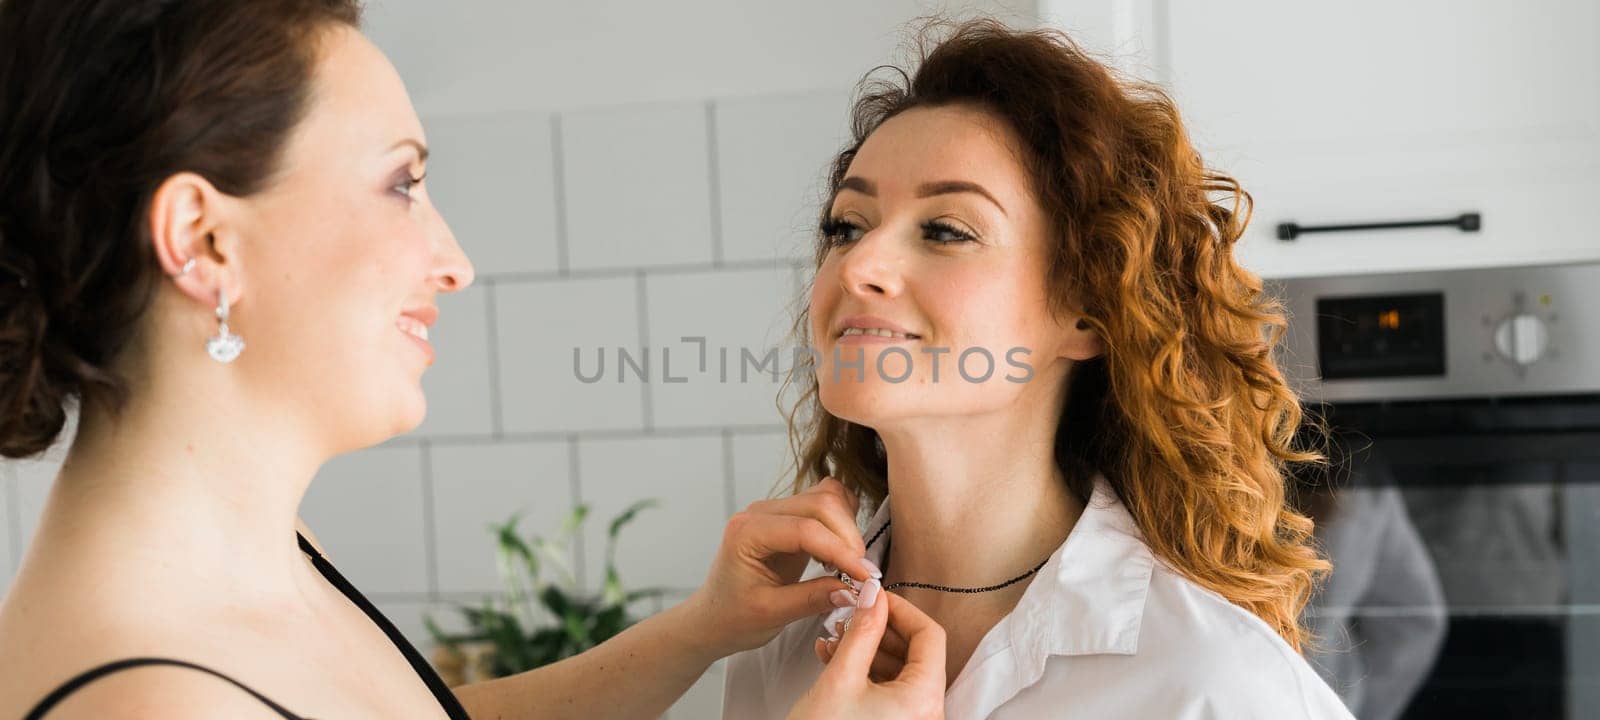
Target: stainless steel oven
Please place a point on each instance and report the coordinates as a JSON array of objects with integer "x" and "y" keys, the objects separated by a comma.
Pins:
[{"x": 1462, "y": 512}]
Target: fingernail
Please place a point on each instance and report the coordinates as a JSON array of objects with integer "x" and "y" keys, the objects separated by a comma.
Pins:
[
  {"x": 872, "y": 568},
  {"x": 830, "y": 569},
  {"x": 869, "y": 593},
  {"x": 841, "y": 598}
]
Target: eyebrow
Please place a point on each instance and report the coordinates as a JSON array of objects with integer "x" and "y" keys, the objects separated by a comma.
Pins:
[
  {"x": 422, "y": 150},
  {"x": 926, "y": 190}
]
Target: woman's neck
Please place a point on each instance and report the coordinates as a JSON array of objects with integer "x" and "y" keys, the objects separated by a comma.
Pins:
[
  {"x": 178, "y": 483},
  {"x": 975, "y": 501}
]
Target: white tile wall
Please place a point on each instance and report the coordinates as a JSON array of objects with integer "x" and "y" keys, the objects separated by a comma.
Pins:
[
  {"x": 734, "y": 312},
  {"x": 460, "y": 396},
  {"x": 773, "y": 156},
  {"x": 477, "y": 485},
  {"x": 33, "y": 479},
  {"x": 760, "y": 466},
  {"x": 7, "y": 526},
  {"x": 638, "y": 186},
  {"x": 367, "y": 510},
  {"x": 538, "y": 325},
  {"x": 667, "y": 546},
  {"x": 493, "y": 179}
]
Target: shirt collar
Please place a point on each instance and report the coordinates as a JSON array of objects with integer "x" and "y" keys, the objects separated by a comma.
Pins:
[{"x": 1087, "y": 599}]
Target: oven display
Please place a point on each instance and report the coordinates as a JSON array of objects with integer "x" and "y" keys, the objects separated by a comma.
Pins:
[{"x": 1380, "y": 336}]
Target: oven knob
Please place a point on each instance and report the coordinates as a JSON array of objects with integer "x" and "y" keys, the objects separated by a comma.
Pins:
[{"x": 1522, "y": 338}]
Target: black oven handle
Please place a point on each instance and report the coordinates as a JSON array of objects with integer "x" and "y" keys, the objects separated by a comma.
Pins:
[{"x": 1466, "y": 222}]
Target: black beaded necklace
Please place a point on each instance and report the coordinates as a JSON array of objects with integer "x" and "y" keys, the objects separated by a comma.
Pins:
[{"x": 941, "y": 588}]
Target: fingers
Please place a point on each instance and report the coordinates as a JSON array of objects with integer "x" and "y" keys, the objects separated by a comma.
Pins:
[
  {"x": 893, "y": 643},
  {"x": 766, "y": 534},
  {"x": 831, "y": 485},
  {"x": 853, "y": 658},
  {"x": 925, "y": 642},
  {"x": 829, "y": 503},
  {"x": 885, "y": 666},
  {"x": 792, "y": 602}
]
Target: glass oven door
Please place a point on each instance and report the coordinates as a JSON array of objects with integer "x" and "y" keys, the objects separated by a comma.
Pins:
[{"x": 1465, "y": 537}]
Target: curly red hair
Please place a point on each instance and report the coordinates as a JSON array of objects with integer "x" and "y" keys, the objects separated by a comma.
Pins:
[{"x": 1186, "y": 412}]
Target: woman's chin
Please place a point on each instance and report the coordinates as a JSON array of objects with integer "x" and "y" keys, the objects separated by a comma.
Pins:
[{"x": 861, "y": 404}]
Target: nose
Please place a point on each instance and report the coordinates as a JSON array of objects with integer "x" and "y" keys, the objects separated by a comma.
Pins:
[
  {"x": 871, "y": 266},
  {"x": 451, "y": 270}
]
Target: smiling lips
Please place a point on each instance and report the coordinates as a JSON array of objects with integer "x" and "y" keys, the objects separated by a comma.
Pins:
[
  {"x": 414, "y": 323},
  {"x": 412, "y": 327},
  {"x": 867, "y": 330}
]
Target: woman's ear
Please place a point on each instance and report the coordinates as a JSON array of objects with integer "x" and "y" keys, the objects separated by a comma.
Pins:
[
  {"x": 1081, "y": 340},
  {"x": 188, "y": 215}
]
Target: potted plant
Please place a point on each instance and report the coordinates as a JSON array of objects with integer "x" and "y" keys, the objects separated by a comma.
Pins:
[{"x": 537, "y": 621}]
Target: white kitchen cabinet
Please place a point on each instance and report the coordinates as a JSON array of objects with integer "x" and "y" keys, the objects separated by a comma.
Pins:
[{"x": 1367, "y": 111}]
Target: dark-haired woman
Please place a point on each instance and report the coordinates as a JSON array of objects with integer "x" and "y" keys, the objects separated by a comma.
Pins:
[
  {"x": 216, "y": 244},
  {"x": 1044, "y": 370}
]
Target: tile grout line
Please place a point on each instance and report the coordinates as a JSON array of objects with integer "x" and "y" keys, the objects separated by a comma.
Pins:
[
  {"x": 731, "y": 501},
  {"x": 429, "y": 533},
  {"x": 642, "y": 300},
  {"x": 558, "y": 167},
  {"x": 497, "y": 427},
  {"x": 714, "y": 177},
  {"x": 575, "y": 485},
  {"x": 1161, "y": 36},
  {"x": 466, "y": 439},
  {"x": 534, "y": 276}
]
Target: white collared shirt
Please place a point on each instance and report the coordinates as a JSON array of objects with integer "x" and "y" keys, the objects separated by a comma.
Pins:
[{"x": 1103, "y": 631}]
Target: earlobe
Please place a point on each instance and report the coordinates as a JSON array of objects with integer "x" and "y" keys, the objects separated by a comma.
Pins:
[{"x": 1082, "y": 342}]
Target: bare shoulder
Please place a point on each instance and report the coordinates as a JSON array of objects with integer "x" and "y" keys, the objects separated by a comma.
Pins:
[{"x": 164, "y": 691}]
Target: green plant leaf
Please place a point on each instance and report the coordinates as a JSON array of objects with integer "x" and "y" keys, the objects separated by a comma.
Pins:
[
  {"x": 578, "y": 630},
  {"x": 638, "y": 595},
  {"x": 513, "y": 544},
  {"x": 542, "y": 622},
  {"x": 627, "y": 516},
  {"x": 575, "y": 520},
  {"x": 609, "y": 622},
  {"x": 555, "y": 601}
]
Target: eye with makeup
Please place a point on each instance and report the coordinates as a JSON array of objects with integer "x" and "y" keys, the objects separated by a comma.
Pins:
[
  {"x": 838, "y": 231},
  {"x": 944, "y": 233},
  {"x": 404, "y": 183}
]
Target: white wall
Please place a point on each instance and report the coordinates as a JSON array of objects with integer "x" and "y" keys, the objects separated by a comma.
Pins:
[
  {"x": 472, "y": 56},
  {"x": 623, "y": 174}
]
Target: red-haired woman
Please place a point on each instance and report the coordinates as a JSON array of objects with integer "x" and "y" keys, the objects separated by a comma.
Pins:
[{"x": 1042, "y": 368}]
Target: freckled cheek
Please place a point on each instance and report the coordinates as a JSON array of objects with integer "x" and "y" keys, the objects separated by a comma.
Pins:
[
  {"x": 824, "y": 297},
  {"x": 978, "y": 313}
]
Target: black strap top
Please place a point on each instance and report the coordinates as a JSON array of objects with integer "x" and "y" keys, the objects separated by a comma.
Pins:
[{"x": 447, "y": 699}]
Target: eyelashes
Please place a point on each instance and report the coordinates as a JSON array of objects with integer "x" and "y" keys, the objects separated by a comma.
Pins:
[
  {"x": 838, "y": 231},
  {"x": 405, "y": 185}
]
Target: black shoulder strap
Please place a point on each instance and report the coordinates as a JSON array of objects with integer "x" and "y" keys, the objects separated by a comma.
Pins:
[
  {"x": 441, "y": 692},
  {"x": 90, "y": 676}
]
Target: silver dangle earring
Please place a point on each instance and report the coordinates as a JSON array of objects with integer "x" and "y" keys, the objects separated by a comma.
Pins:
[{"x": 225, "y": 346}]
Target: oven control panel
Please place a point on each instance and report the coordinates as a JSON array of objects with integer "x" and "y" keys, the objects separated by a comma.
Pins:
[{"x": 1452, "y": 333}]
